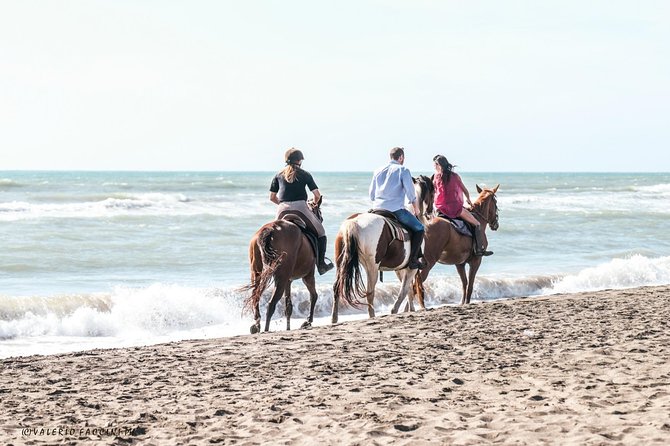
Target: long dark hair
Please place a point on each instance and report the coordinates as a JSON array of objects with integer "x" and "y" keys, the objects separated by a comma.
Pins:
[{"x": 447, "y": 167}]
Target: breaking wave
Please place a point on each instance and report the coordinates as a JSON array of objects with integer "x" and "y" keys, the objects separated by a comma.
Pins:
[{"x": 160, "y": 311}]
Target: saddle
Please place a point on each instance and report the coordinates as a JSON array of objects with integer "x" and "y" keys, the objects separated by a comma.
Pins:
[
  {"x": 458, "y": 223},
  {"x": 398, "y": 231},
  {"x": 300, "y": 221}
]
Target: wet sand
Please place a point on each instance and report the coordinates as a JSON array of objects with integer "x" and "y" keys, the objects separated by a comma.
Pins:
[{"x": 589, "y": 368}]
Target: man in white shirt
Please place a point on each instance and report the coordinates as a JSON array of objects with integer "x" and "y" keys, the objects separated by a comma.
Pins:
[{"x": 389, "y": 187}]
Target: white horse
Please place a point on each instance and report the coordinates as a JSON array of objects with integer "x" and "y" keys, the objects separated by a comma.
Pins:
[{"x": 378, "y": 244}]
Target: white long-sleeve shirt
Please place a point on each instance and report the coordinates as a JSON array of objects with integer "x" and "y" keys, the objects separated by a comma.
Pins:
[{"x": 390, "y": 186}]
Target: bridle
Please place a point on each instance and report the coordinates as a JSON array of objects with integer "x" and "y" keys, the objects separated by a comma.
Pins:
[{"x": 493, "y": 223}]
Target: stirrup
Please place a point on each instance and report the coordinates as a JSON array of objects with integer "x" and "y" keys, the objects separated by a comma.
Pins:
[
  {"x": 324, "y": 267},
  {"x": 419, "y": 263},
  {"x": 483, "y": 253}
]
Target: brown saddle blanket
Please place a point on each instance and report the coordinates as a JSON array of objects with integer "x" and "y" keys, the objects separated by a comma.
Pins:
[
  {"x": 399, "y": 231},
  {"x": 300, "y": 221},
  {"x": 459, "y": 224}
]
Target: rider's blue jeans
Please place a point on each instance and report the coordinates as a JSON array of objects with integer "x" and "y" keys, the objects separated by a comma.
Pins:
[{"x": 408, "y": 219}]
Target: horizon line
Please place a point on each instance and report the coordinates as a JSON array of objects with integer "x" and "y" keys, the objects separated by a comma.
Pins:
[{"x": 315, "y": 170}]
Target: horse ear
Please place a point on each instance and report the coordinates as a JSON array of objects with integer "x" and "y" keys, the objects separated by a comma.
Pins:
[
  {"x": 495, "y": 189},
  {"x": 479, "y": 189}
]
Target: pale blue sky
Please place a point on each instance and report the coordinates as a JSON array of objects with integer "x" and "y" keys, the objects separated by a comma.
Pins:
[{"x": 229, "y": 85}]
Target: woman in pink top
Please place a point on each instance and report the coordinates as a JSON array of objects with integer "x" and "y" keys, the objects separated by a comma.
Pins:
[{"x": 449, "y": 192}]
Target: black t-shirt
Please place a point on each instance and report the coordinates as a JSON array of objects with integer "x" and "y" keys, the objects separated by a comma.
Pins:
[{"x": 293, "y": 191}]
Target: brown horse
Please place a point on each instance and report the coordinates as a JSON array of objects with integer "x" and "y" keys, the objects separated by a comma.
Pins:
[
  {"x": 372, "y": 241},
  {"x": 279, "y": 251},
  {"x": 443, "y": 244}
]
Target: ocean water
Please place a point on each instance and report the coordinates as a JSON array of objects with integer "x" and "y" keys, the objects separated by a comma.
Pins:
[{"x": 109, "y": 259}]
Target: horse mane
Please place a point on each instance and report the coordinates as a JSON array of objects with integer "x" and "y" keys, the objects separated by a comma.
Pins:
[{"x": 425, "y": 194}]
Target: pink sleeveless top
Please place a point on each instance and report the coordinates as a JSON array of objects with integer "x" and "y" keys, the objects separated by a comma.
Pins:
[{"x": 449, "y": 197}]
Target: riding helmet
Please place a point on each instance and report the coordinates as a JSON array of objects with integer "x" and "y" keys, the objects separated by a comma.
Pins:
[{"x": 293, "y": 155}]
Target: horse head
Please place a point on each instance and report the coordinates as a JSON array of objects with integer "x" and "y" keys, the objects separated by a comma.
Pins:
[
  {"x": 425, "y": 193},
  {"x": 315, "y": 207},
  {"x": 486, "y": 205}
]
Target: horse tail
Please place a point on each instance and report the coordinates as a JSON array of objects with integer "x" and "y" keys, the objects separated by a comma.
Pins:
[
  {"x": 348, "y": 287},
  {"x": 270, "y": 261}
]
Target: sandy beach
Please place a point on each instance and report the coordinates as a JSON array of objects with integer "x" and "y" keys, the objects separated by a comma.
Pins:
[{"x": 588, "y": 368}]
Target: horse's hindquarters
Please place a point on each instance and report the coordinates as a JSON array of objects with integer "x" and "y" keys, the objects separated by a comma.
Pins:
[{"x": 305, "y": 259}]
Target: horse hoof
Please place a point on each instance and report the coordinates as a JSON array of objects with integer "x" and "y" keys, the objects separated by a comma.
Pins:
[
  {"x": 255, "y": 329},
  {"x": 306, "y": 324}
]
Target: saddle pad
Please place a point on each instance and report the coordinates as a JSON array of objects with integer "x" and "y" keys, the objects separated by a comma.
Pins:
[
  {"x": 294, "y": 218},
  {"x": 459, "y": 225},
  {"x": 299, "y": 221},
  {"x": 398, "y": 231}
]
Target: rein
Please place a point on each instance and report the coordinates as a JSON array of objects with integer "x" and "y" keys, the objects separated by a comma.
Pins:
[{"x": 481, "y": 215}]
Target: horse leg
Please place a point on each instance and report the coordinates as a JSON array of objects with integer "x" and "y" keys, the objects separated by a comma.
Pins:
[
  {"x": 418, "y": 289},
  {"x": 400, "y": 274},
  {"x": 396, "y": 306},
  {"x": 410, "y": 298},
  {"x": 464, "y": 281},
  {"x": 406, "y": 277},
  {"x": 372, "y": 274},
  {"x": 256, "y": 328},
  {"x": 288, "y": 310},
  {"x": 410, "y": 289},
  {"x": 335, "y": 312},
  {"x": 474, "y": 267},
  {"x": 310, "y": 283},
  {"x": 272, "y": 304},
  {"x": 256, "y": 269}
]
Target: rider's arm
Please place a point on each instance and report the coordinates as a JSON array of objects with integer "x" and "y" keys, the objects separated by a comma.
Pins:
[
  {"x": 410, "y": 193},
  {"x": 465, "y": 191},
  {"x": 372, "y": 190},
  {"x": 311, "y": 185},
  {"x": 415, "y": 206},
  {"x": 274, "y": 188}
]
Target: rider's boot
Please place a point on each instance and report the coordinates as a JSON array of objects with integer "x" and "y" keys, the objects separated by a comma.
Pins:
[
  {"x": 321, "y": 264},
  {"x": 416, "y": 260},
  {"x": 479, "y": 249}
]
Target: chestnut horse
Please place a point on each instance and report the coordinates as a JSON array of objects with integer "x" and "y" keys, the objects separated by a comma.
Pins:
[
  {"x": 279, "y": 251},
  {"x": 369, "y": 240},
  {"x": 442, "y": 244}
]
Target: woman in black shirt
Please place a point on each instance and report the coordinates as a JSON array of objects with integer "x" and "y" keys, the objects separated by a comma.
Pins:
[{"x": 288, "y": 191}]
